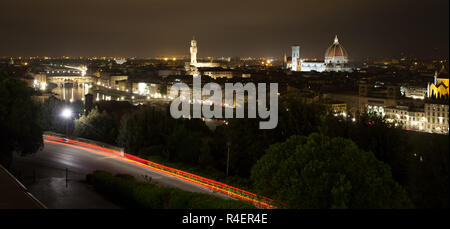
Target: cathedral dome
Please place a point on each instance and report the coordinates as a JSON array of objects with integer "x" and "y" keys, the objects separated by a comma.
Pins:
[{"x": 336, "y": 51}]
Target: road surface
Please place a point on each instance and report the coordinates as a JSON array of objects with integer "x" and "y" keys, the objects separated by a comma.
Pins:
[{"x": 44, "y": 174}]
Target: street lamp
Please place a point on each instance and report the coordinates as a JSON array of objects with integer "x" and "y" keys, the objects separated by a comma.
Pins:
[{"x": 67, "y": 114}]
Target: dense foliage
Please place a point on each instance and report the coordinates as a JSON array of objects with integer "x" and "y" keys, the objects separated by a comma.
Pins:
[
  {"x": 130, "y": 193},
  {"x": 248, "y": 142},
  {"x": 50, "y": 112},
  {"x": 419, "y": 161},
  {"x": 97, "y": 126},
  {"x": 322, "y": 172},
  {"x": 153, "y": 132},
  {"x": 20, "y": 129}
]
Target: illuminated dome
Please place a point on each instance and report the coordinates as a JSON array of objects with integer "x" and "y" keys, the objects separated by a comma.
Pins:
[{"x": 336, "y": 53}]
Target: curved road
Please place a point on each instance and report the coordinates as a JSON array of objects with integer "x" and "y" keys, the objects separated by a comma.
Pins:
[{"x": 44, "y": 173}]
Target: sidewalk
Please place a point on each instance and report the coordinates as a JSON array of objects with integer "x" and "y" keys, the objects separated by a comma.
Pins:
[{"x": 13, "y": 195}]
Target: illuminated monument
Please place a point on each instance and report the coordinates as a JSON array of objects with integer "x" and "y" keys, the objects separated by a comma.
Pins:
[
  {"x": 193, "y": 52},
  {"x": 440, "y": 86},
  {"x": 336, "y": 60},
  {"x": 295, "y": 58},
  {"x": 192, "y": 66}
]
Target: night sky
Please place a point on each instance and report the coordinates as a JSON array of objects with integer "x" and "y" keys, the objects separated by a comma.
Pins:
[{"x": 149, "y": 28}]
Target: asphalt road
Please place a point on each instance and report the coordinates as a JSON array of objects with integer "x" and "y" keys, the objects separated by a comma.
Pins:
[{"x": 44, "y": 174}]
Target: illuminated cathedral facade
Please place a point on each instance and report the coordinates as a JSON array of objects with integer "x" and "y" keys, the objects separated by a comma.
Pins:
[
  {"x": 440, "y": 86},
  {"x": 336, "y": 60}
]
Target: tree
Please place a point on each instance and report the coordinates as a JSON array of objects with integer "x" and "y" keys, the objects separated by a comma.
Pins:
[
  {"x": 50, "y": 111},
  {"x": 249, "y": 142},
  {"x": 428, "y": 170},
  {"x": 371, "y": 132},
  {"x": 184, "y": 145},
  {"x": 321, "y": 172},
  {"x": 19, "y": 120},
  {"x": 143, "y": 129},
  {"x": 98, "y": 126}
]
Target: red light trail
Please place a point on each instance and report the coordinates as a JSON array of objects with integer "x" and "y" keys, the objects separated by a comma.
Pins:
[{"x": 231, "y": 191}]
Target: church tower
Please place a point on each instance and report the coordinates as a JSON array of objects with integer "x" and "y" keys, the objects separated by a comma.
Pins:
[
  {"x": 193, "y": 51},
  {"x": 295, "y": 58}
]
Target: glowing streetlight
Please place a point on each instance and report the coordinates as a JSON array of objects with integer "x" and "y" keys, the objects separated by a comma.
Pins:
[{"x": 66, "y": 113}]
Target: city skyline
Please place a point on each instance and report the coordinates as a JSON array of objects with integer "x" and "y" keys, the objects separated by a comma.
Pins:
[
  {"x": 202, "y": 105},
  {"x": 151, "y": 29}
]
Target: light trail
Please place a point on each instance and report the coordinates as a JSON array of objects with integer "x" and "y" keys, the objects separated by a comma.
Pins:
[{"x": 179, "y": 174}]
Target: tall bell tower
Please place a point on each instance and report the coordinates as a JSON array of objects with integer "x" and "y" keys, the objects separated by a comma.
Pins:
[
  {"x": 193, "y": 51},
  {"x": 295, "y": 58}
]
